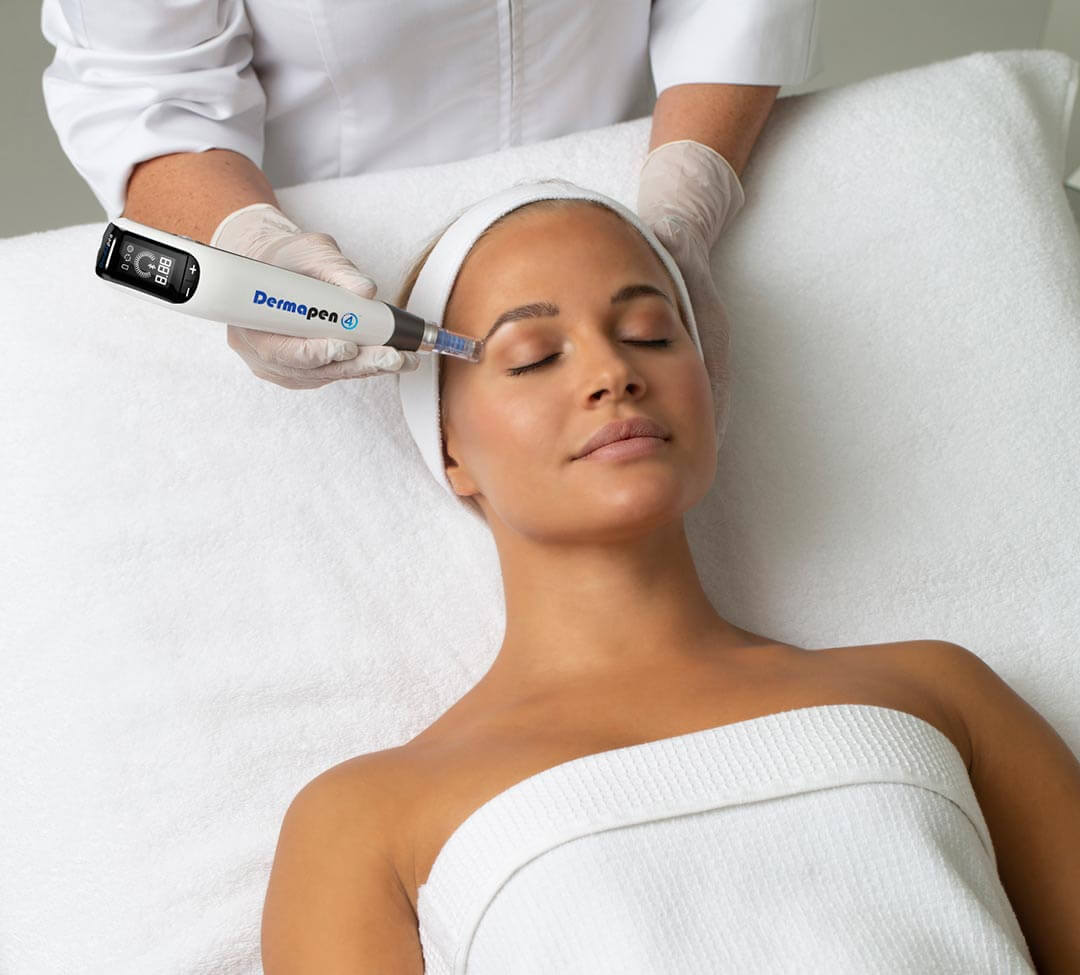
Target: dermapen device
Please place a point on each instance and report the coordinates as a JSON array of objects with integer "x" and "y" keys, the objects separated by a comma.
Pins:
[{"x": 196, "y": 279}]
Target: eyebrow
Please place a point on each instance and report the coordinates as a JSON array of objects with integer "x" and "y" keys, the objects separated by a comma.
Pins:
[{"x": 545, "y": 309}]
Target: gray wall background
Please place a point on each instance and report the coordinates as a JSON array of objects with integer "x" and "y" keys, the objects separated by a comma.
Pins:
[{"x": 41, "y": 190}]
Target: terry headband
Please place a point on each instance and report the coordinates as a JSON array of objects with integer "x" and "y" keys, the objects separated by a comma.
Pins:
[{"x": 419, "y": 389}]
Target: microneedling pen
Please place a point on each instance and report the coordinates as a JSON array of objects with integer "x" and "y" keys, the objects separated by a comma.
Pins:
[{"x": 217, "y": 285}]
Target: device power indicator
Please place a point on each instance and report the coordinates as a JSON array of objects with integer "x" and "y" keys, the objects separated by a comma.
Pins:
[{"x": 147, "y": 265}]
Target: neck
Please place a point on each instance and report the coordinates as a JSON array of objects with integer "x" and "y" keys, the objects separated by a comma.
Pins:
[{"x": 583, "y": 613}]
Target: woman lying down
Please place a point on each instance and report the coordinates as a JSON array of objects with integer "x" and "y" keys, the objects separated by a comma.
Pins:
[{"x": 637, "y": 785}]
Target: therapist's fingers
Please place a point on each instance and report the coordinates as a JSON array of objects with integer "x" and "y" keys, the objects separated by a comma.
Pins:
[
  {"x": 370, "y": 360},
  {"x": 307, "y": 363},
  {"x": 274, "y": 349}
]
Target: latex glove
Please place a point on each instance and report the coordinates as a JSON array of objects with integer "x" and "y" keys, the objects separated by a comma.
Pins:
[
  {"x": 687, "y": 194},
  {"x": 261, "y": 231}
]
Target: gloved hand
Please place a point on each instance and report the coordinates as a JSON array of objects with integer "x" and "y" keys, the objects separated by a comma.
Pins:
[
  {"x": 687, "y": 194},
  {"x": 262, "y": 232}
]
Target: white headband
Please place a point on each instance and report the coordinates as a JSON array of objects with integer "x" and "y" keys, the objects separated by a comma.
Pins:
[{"x": 419, "y": 389}]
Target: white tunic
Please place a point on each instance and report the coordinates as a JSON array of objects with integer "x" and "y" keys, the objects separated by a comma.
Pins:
[
  {"x": 322, "y": 89},
  {"x": 833, "y": 838}
]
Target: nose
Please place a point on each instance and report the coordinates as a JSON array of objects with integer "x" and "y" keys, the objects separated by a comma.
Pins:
[{"x": 611, "y": 368}]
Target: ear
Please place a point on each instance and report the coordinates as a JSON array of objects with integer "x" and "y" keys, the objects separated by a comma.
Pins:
[{"x": 459, "y": 479}]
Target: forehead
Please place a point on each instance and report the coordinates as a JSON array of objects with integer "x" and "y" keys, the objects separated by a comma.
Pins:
[
  {"x": 535, "y": 252},
  {"x": 564, "y": 223}
]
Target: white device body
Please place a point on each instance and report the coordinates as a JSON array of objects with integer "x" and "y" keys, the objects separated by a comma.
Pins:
[{"x": 227, "y": 287}]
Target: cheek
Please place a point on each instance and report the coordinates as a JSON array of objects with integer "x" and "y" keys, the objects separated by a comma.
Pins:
[
  {"x": 507, "y": 431},
  {"x": 692, "y": 393},
  {"x": 701, "y": 382},
  {"x": 691, "y": 369}
]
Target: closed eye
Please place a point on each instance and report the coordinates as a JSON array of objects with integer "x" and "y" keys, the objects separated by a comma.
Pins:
[{"x": 536, "y": 365}]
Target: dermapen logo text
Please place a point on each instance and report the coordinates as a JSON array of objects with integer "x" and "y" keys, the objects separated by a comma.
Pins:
[{"x": 309, "y": 312}]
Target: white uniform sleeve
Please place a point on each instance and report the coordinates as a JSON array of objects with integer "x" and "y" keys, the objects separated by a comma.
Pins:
[
  {"x": 737, "y": 42},
  {"x": 131, "y": 81}
]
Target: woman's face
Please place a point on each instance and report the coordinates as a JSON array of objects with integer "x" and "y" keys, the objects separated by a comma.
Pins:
[{"x": 511, "y": 438}]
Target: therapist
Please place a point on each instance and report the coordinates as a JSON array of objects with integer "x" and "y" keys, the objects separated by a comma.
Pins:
[{"x": 184, "y": 116}]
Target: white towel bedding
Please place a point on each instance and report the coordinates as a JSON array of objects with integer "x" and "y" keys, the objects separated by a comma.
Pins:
[{"x": 215, "y": 588}]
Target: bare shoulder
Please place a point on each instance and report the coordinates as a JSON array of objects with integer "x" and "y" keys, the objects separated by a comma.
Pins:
[
  {"x": 369, "y": 796},
  {"x": 1027, "y": 781},
  {"x": 335, "y": 901},
  {"x": 924, "y": 673},
  {"x": 991, "y": 709}
]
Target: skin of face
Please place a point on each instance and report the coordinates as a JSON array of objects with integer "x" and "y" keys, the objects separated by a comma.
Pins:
[
  {"x": 600, "y": 584},
  {"x": 510, "y": 439}
]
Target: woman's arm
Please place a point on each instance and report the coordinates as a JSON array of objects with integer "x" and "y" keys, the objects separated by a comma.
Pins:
[
  {"x": 1027, "y": 781},
  {"x": 335, "y": 903}
]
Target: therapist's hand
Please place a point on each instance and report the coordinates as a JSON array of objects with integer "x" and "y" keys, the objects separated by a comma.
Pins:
[
  {"x": 262, "y": 232},
  {"x": 687, "y": 194}
]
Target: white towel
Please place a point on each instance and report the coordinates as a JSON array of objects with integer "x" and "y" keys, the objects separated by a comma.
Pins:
[
  {"x": 838, "y": 839},
  {"x": 215, "y": 588}
]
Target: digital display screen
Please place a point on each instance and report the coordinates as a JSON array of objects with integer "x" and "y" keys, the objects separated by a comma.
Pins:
[{"x": 149, "y": 266}]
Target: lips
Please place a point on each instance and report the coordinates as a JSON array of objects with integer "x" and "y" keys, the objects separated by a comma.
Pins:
[{"x": 633, "y": 426}]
